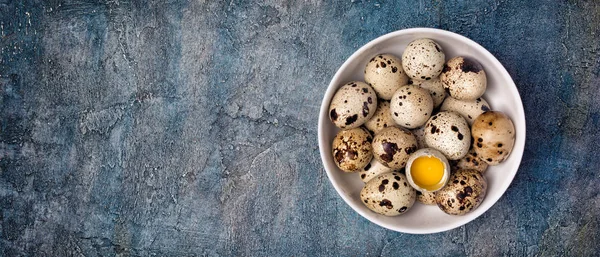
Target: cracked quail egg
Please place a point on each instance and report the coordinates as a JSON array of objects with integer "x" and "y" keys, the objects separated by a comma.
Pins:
[
  {"x": 351, "y": 149},
  {"x": 427, "y": 170},
  {"x": 464, "y": 192},
  {"x": 423, "y": 59},
  {"x": 388, "y": 194},
  {"x": 385, "y": 74},
  {"x": 352, "y": 105}
]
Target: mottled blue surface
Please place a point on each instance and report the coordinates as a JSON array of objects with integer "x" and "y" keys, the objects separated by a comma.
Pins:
[{"x": 190, "y": 128}]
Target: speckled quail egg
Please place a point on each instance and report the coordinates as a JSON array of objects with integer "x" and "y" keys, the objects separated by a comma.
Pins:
[
  {"x": 426, "y": 197},
  {"x": 470, "y": 161},
  {"x": 411, "y": 106},
  {"x": 381, "y": 119},
  {"x": 385, "y": 74},
  {"x": 448, "y": 132},
  {"x": 388, "y": 194},
  {"x": 494, "y": 135},
  {"x": 464, "y": 78},
  {"x": 420, "y": 136},
  {"x": 464, "y": 192},
  {"x": 436, "y": 90},
  {"x": 352, "y": 105},
  {"x": 392, "y": 146},
  {"x": 373, "y": 169},
  {"x": 427, "y": 169},
  {"x": 423, "y": 59},
  {"x": 469, "y": 109},
  {"x": 352, "y": 149}
]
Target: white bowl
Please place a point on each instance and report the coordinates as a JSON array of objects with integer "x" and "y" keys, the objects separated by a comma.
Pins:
[{"x": 501, "y": 94}]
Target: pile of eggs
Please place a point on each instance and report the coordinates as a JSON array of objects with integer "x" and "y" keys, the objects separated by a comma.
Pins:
[{"x": 418, "y": 129}]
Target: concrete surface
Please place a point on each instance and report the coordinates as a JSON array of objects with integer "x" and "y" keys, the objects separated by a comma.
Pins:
[{"x": 190, "y": 128}]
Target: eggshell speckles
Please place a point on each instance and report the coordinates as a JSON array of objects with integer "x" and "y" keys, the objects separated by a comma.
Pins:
[
  {"x": 464, "y": 192},
  {"x": 470, "y": 161},
  {"x": 385, "y": 74},
  {"x": 448, "y": 132},
  {"x": 420, "y": 136},
  {"x": 494, "y": 135},
  {"x": 373, "y": 169},
  {"x": 464, "y": 78},
  {"x": 426, "y": 197},
  {"x": 411, "y": 106},
  {"x": 392, "y": 146},
  {"x": 381, "y": 119},
  {"x": 388, "y": 194},
  {"x": 469, "y": 109},
  {"x": 352, "y": 149},
  {"x": 423, "y": 59},
  {"x": 352, "y": 105},
  {"x": 436, "y": 90}
]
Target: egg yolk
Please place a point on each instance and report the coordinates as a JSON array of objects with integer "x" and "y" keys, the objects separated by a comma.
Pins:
[{"x": 427, "y": 172}]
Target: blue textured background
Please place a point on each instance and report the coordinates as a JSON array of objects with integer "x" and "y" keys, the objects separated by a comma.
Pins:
[{"x": 190, "y": 128}]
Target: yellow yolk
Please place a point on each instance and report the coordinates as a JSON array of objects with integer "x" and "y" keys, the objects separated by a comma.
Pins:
[{"x": 427, "y": 172}]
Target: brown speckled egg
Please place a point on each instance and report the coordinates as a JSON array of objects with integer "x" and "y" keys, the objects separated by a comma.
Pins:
[
  {"x": 436, "y": 90},
  {"x": 352, "y": 149},
  {"x": 464, "y": 78},
  {"x": 420, "y": 136},
  {"x": 411, "y": 106},
  {"x": 423, "y": 59},
  {"x": 464, "y": 192},
  {"x": 448, "y": 132},
  {"x": 388, "y": 194},
  {"x": 352, "y": 105},
  {"x": 426, "y": 197},
  {"x": 494, "y": 135},
  {"x": 469, "y": 109},
  {"x": 392, "y": 146},
  {"x": 381, "y": 119},
  {"x": 385, "y": 74},
  {"x": 373, "y": 169},
  {"x": 471, "y": 161}
]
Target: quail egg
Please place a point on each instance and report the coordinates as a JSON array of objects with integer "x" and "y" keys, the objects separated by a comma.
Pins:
[
  {"x": 426, "y": 197},
  {"x": 470, "y": 161},
  {"x": 464, "y": 192},
  {"x": 436, "y": 90},
  {"x": 352, "y": 105},
  {"x": 494, "y": 135},
  {"x": 469, "y": 109},
  {"x": 420, "y": 136},
  {"x": 352, "y": 149},
  {"x": 392, "y": 146},
  {"x": 388, "y": 194},
  {"x": 373, "y": 169},
  {"x": 381, "y": 119},
  {"x": 464, "y": 78},
  {"x": 448, "y": 132},
  {"x": 411, "y": 106},
  {"x": 427, "y": 170},
  {"x": 423, "y": 59},
  {"x": 385, "y": 74}
]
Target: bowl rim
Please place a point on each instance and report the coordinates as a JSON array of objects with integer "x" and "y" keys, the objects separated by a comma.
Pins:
[{"x": 518, "y": 147}]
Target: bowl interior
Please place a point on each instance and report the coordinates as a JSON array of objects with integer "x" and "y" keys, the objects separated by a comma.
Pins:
[{"x": 501, "y": 94}]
